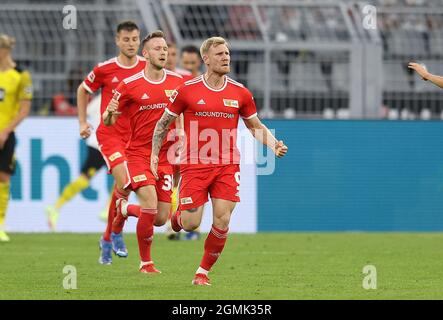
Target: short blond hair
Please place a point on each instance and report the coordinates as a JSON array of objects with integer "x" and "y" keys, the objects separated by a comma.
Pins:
[
  {"x": 213, "y": 41},
  {"x": 6, "y": 41}
]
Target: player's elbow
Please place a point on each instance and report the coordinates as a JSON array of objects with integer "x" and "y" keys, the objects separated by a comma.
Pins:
[
  {"x": 81, "y": 91},
  {"x": 25, "y": 108}
]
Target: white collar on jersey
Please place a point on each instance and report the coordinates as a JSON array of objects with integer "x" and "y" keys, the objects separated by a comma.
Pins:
[
  {"x": 127, "y": 67},
  {"x": 154, "y": 82},
  {"x": 212, "y": 89}
]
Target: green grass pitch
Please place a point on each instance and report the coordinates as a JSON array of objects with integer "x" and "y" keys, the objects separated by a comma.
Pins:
[{"x": 261, "y": 266}]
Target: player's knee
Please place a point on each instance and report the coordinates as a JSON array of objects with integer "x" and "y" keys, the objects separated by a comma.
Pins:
[
  {"x": 5, "y": 177},
  {"x": 222, "y": 221},
  {"x": 189, "y": 226},
  {"x": 160, "y": 220}
]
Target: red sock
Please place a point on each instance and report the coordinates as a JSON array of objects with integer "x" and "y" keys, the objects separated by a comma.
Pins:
[
  {"x": 177, "y": 216},
  {"x": 134, "y": 210},
  {"x": 214, "y": 245},
  {"x": 112, "y": 213},
  {"x": 145, "y": 232}
]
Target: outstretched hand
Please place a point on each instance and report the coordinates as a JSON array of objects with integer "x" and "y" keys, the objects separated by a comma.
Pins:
[{"x": 420, "y": 69}]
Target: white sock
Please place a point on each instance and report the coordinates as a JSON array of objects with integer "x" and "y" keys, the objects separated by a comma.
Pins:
[
  {"x": 143, "y": 263},
  {"x": 201, "y": 270}
]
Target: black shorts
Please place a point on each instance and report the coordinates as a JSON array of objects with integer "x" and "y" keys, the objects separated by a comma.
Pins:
[
  {"x": 93, "y": 162},
  {"x": 7, "y": 155}
]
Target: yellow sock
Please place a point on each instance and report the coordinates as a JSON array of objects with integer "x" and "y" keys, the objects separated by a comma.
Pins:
[
  {"x": 4, "y": 199},
  {"x": 71, "y": 190},
  {"x": 174, "y": 199}
]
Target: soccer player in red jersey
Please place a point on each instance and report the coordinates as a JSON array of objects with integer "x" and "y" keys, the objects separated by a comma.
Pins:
[
  {"x": 171, "y": 64},
  {"x": 190, "y": 60},
  {"x": 142, "y": 99},
  {"x": 112, "y": 140},
  {"x": 211, "y": 105}
]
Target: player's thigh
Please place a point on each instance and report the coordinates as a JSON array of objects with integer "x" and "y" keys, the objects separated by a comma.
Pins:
[
  {"x": 193, "y": 188},
  {"x": 226, "y": 184},
  {"x": 7, "y": 159},
  {"x": 147, "y": 196},
  {"x": 5, "y": 177},
  {"x": 93, "y": 163},
  {"x": 221, "y": 211},
  {"x": 120, "y": 174}
]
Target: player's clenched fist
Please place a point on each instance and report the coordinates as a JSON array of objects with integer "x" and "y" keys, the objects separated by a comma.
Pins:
[
  {"x": 113, "y": 107},
  {"x": 280, "y": 149},
  {"x": 110, "y": 112},
  {"x": 85, "y": 130}
]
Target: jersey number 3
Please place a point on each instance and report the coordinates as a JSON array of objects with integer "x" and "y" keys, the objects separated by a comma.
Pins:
[{"x": 168, "y": 182}]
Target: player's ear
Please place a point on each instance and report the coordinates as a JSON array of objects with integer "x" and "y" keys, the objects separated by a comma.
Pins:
[{"x": 205, "y": 59}]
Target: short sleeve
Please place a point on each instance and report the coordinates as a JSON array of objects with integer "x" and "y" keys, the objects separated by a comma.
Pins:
[
  {"x": 94, "y": 80},
  {"x": 248, "y": 109},
  {"x": 177, "y": 102},
  {"x": 25, "y": 92}
]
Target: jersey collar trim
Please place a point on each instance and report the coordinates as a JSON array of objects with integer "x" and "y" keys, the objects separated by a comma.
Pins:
[
  {"x": 155, "y": 82},
  {"x": 216, "y": 90},
  {"x": 127, "y": 67}
]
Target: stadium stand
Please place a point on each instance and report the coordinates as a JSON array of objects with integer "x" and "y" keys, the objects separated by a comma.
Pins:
[{"x": 306, "y": 56}]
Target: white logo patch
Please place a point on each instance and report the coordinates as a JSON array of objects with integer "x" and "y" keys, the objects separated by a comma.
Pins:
[
  {"x": 145, "y": 96},
  {"x": 91, "y": 76},
  {"x": 187, "y": 200},
  {"x": 139, "y": 178},
  {"x": 201, "y": 101},
  {"x": 114, "y": 80}
]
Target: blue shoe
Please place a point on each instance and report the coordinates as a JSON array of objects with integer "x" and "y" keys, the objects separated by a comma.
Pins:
[
  {"x": 118, "y": 245},
  {"x": 105, "y": 252},
  {"x": 192, "y": 235}
]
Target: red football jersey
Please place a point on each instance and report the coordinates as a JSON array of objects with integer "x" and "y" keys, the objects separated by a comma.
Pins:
[
  {"x": 211, "y": 120},
  {"x": 106, "y": 76},
  {"x": 143, "y": 101}
]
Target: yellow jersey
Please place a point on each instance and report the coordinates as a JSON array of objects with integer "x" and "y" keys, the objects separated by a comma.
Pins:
[{"x": 15, "y": 85}]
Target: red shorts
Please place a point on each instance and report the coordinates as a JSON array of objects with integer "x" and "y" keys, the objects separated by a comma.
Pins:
[
  {"x": 221, "y": 182},
  {"x": 112, "y": 150},
  {"x": 140, "y": 175}
]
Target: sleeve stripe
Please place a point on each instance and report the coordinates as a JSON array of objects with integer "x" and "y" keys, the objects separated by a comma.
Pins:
[
  {"x": 250, "y": 117},
  {"x": 171, "y": 113},
  {"x": 87, "y": 88}
]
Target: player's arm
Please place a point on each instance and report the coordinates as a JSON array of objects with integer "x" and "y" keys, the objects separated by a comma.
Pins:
[
  {"x": 262, "y": 134},
  {"x": 160, "y": 132},
  {"x": 92, "y": 82},
  {"x": 82, "y": 103},
  {"x": 425, "y": 74},
  {"x": 25, "y": 97},
  {"x": 180, "y": 133},
  {"x": 111, "y": 113}
]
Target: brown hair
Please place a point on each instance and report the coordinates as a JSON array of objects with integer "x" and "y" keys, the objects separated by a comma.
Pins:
[
  {"x": 152, "y": 35},
  {"x": 127, "y": 26}
]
